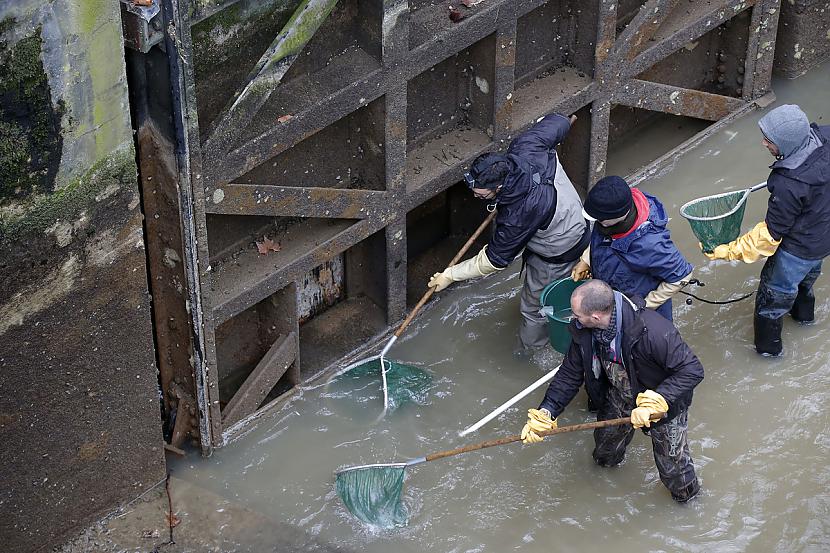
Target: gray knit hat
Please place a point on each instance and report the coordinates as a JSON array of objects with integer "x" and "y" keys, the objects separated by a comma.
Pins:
[{"x": 787, "y": 127}]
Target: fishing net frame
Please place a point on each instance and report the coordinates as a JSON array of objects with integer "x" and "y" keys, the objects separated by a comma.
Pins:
[
  {"x": 373, "y": 493},
  {"x": 720, "y": 228}
]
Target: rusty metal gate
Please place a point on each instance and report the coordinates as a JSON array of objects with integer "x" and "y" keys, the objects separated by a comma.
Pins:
[{"x": 319, "y": 145}]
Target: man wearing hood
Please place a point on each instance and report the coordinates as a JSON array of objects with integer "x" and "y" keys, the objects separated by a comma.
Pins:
[
  {"x": 631, "y": 248},
  {"x": 539, "y": 213},
  {"x": 795, "y": 234}
]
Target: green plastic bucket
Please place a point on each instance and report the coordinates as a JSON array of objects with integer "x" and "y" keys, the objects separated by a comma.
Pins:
[{"x": 557, "y": 294}]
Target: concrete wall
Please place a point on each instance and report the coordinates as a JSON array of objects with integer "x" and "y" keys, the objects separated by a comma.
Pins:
[
  {"x": 803, "y": 39},
  {"x": 79, "y": 411}
]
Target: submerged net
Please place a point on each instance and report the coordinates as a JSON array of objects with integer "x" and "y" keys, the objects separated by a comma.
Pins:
[
  {"x": 373, "y": 494},
  {"x": 717, "y": 219},
  {"x": 405, "y": 383}
]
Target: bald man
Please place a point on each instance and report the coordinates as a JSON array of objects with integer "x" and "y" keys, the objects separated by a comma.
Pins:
[{"x": 633, "y": 362}]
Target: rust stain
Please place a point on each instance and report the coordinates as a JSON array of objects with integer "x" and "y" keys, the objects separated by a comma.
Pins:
[
  {"x": 396, "y": 129},
  {"x": 603, "y": 49},
  {"x": 711, "y": 107},
  {"x": 89, "y": 451},
  {"x": 7, "y": 419}
]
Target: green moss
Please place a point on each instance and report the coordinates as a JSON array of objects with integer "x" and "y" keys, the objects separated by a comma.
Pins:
[
  {"x": 90, "y": 11},
  {"x": 68, "y": 202},
  {"x": 98, "y": 20},
  {"x": 30, "y": 130},
  {"x": 301, "y": 27}
]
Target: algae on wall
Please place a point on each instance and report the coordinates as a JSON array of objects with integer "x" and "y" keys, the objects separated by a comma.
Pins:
[
  {"x": 30, "y": 124},
  {"x": 63, "y": 105}
]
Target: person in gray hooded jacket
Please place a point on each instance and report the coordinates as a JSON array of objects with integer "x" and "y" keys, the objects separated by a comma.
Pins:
[{"x": 795, "y": 234}]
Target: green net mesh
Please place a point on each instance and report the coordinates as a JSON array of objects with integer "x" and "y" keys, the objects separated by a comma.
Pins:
[
  {"x": 716, "y": 219},
  {"x": 404, "y": 383},
  {"x": 373, "y": 494}
]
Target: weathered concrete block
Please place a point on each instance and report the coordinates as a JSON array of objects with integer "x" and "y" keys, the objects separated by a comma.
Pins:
[{"x": 79, "y": 412}]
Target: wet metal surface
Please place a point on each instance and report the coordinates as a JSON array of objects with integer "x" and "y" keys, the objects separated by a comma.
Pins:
[{"x": 758, "y": 428}]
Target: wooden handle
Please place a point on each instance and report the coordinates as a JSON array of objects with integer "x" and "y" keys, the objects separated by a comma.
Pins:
[
  {"x": 454, "y": 260},
  {"x": 511, "y": 439}
]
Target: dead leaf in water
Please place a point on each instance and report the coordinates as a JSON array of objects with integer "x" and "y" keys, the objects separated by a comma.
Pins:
[
  {"x": 284, "y": 118},
  {"x": 173, "y": 520},
  {"x": 267, "y": 245}
]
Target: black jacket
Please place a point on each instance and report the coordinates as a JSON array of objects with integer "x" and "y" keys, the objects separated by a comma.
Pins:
[
  {"x": 654, "y": 354},
  {"x": 799, "y": 205},
  {"x": 526, "y": 203}
]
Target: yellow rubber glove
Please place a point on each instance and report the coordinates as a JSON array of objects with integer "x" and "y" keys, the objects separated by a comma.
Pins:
[
  {"x": 474, "y": 267},
  {"x": 538, "y": 420},
  {"x": 440, "y": 280},
  {"x": 665, "y": 291},
  {"x": 581, "y": 271},
  {"x": 648, "y": 403},
  {"x": 749, "y": 248}
]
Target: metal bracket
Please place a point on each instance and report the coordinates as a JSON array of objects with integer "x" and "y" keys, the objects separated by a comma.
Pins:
[{"x": 142, "y": 25}]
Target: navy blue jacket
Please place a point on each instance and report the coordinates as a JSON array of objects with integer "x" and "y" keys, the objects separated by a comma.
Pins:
[
  {"x": 527, "y": 204},
  {"x": 654, "y": 355},
  {"x": 798, "y": 210},
  {"x": 637, "y": 263}
]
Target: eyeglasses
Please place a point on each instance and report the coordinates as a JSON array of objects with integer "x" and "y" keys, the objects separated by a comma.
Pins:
[{"x": 471, "y": 182}]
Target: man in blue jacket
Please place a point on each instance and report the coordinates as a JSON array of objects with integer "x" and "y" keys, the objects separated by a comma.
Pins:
[
  {"x": 634, "y": 363},
  {"x": 795, "y": 234},
  {"x": 539, "y": 214},
  {"x": 631, "y": 248}
]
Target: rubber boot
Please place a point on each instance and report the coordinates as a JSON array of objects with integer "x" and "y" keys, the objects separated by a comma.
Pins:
[
  {"x": 768, "y": 335},
  {"x": 804, "y": 307},
  {"x": 687, "y": 493}
]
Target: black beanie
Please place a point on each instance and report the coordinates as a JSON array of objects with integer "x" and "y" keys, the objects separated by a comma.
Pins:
[
  {"x": 490, "y": 170},
  {"x": 610, "y": 198}
]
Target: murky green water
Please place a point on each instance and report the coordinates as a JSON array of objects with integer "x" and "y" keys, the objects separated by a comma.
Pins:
[{"x": 759, "y": 428}]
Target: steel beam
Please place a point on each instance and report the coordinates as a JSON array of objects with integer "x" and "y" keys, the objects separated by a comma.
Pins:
[
  {"x": 262, "y": 379},
  {"x": 266, "y": 75},
  {"x": 676, "y": 100},
  {"x": 301, "y": 201},
  {"x": 702, "y": 18}
]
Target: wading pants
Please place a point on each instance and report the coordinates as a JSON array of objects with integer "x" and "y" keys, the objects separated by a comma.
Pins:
[
  {"x": 537, "y": 273},
  {"x": 785, "y": 281},
  {"x": 668, "y": 441}
]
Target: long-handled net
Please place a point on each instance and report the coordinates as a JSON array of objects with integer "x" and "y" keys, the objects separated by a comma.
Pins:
[
  {"x": 373, "y": 493},
  {"x": 717, "y": 219},
  {"x": 396, "y": 376}
]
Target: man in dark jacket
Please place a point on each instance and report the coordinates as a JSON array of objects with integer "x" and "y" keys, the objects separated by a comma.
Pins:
[
  {"x": 539, "y": 211},
  {"x": 631, "y": 248},
  {"x": 795, "y": 234},
  {"x": 632, "y": 361}
]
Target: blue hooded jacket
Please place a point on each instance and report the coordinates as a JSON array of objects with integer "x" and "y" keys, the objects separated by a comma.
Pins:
[
  {"x": 526, "y": 203},
  {"x": 798, "y": 210},
  {"x": 635, "y": 264}
]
